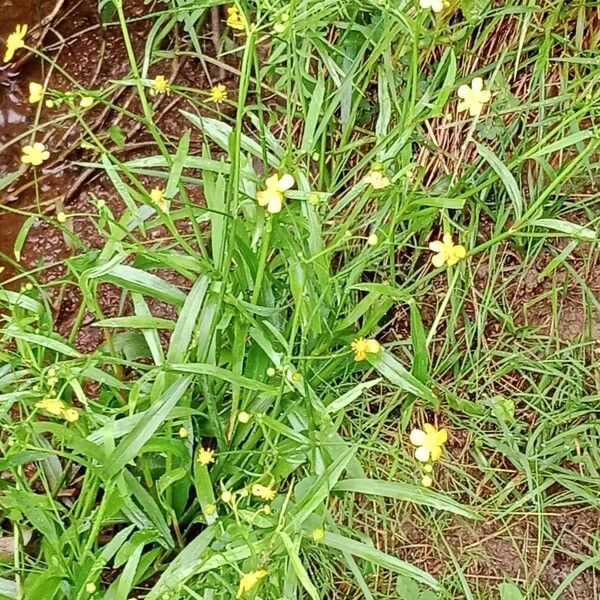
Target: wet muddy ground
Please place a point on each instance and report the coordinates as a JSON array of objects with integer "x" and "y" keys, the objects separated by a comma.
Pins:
[{"x": 94, "y": 54}]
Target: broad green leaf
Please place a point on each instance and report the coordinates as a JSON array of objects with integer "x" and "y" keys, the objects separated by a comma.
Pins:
[
  {"x": 389, "y": 366},
  {"x": 405, "y": 492},
  {"x": 183, "y": 566},
  {"x": 573, "y": 229},
  {"x": 36, "y": 339},
  {"x": 298, "y": 567},
  {"x": 136, "y": 280},
  {"x": 180, "y": 340},
  {"x": 509, "y": 591},
  {"x": 154, "y": 417},
  {"x": 136, "y": 322},
  {"x": 377, "y": 557}
]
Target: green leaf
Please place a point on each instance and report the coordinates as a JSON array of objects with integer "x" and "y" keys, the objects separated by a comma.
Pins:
[
  {"x": 509, "y": 182},
  {"x": 136, "y": 280},
  {"x": 377, "y": 557},
  {"x": 313, "y": 116},
  {"x": 183, "y": 566},
  {"x": 46, "y": 342},
  {"x": 572, "y": 229},
  {"x": 180, "y": 340},
  {"x": 298, "y": 567},
  {"x": 509, "y": 591},
  {"x": 397, "y": 375},
  {"x": 115, "y": 133},
  {"x": 420, "y": 368},
  {"x": 564, "y": 142},
  {"x": 220, "y": 373},
  {"x": 154, "y": 417},
  {"x": 178, "y": 164},
  {"x": 405, "y": 492},
  {"x": 136, "y": 322}
]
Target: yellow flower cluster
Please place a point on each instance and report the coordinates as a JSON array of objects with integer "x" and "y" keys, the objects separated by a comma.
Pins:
[
  {"x": 57, "y": 408},
  {"x": 429, "y": 445}
]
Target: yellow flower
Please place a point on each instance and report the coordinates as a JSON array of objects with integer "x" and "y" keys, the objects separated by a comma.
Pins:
[
  {"x": 218, "y": 94},
  {"x": 361, "y": 347},
  {"x": 90, "y": 587},
  {"x": 235, "y": 19},
  {"x": 54, "y": 406},
  {"x": 206, "y": 456},
  {"x": 159, "y": 199},
  {"x": 446, "y": 251},
  {"x": 249, "y": 581},
  {"x": 183, "y": 432},
  {"x": 86, "y": 101},
  {"x": 61, "y": 217},
  {"x": 160, "y": 86},
  {"x": 36, "y": 92},
  {"x": 429, "y": 442},
  {"x": 473, "y": 97},
  {"x": 243, "y": 417},
  {"x": 435, "y": 5},
  {"x": 264, "y": 492},
  {"x": 226, "y": 496},
  {"x": 318, "y": 535},
  {"x": 272, "y": 197},
  {"x": 35, "y": 155},
  {"x": 15, "y": 41}
]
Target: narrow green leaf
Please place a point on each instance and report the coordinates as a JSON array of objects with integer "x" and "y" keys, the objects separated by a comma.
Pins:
[
  {"x": 298, "y": 567},
  {"x": 389, "y": 366},
  {"x": 183, "y": 566},
  {"x": 155, "y": 416},
  {"x": 178, "y": 164},
  {"x": 509, "y": 182},
  {"x": 405, "y": 492},
  {"x": 377, "y": 557}
]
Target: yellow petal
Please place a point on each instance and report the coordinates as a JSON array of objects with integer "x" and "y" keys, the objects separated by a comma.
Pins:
[
  {"x": 436, "y": 453},
  {"x": 441, "y": 437},
  {"x": 463, "y": 91},
  {"x": 477, "y": 84},
  {"x": 422, "y": 454},
  {"x": 460, "y": 251},
  {"x": 285, "y": 183},
  {"x": 272, "y": 182},
  {"x": 438, "y": 260},
  {"x": 262, "y": 199},
  {"x": 373, "y": 346},
  {"x": 417, "y": 437},
  {"x": 275, "y": 204},
  {"x": 436, "y": 246},
  {"x": 475, "y": 109},
  {"x": 429, "y": 429},
  {"x": 485, "y": 96}
]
